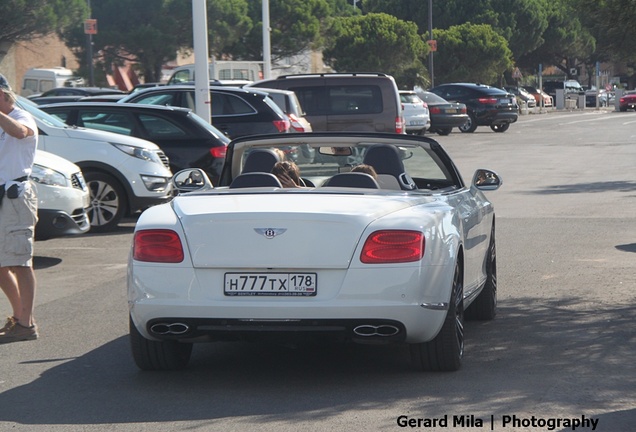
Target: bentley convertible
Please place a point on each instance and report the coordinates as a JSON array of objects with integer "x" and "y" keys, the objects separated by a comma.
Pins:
[{"x": 402, "y": 257}]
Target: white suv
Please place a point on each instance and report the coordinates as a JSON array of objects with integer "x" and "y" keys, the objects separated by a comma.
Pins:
[
  {"x": 124, "y": 174},
  {"x": 62, "y": 196}
]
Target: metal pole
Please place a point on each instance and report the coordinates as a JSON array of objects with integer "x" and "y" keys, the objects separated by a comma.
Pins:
[
  {"x": 89, "y": 51},
  {"x": 430, "y": 37},
  {"x": 267, "y": 50},
  {"x": 201, "y": 67}
]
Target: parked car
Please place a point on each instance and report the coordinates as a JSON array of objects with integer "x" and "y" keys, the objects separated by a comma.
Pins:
[
  {"x": 486, "y": 106},
  {"x": 289, "y": 103},
  {"x": 62, "y": 195},
  {"x": 348, "y": 258},
  {"x": 627, "y": 101},
  {"x": 235, "y": 111},
  {"x": 539, "y": 96},
  {"x": 604, "y": 98},
  {"x": 444, "y": 115},
  {"x": 124, "y": 174},
  {"x": 417, "y": 119},
  {"x": 571, "y": 88},
  {"x": 72, "y": 93},
  {"x": 345, "y": 101},
  {"x": 184, "y": 137},
  {"x": 522, "y": 96}
]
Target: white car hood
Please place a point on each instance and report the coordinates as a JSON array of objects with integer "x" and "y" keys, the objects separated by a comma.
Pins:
[
  {"x": 312, "y": 230},
  {"x": 57, "y": 163}
]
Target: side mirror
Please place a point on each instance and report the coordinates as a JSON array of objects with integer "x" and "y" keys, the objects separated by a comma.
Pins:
[
  {"x": 190, "y": 180},
  {"x": 486, "y": 180}
]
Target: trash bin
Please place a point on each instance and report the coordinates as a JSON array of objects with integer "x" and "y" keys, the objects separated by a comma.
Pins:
[{"x": 570, "y": 104}]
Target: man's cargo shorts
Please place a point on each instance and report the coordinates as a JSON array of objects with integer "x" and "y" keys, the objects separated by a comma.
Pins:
[{"x": 18, "y": 217}]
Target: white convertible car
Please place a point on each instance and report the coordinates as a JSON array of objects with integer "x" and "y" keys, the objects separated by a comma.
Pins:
[{"x": 402, "y": 257}]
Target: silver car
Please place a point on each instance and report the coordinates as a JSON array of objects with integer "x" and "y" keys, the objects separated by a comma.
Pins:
[{"x": 417, "y": 118}]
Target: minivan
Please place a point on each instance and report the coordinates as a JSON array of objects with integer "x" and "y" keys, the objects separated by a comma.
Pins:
[
  {"x": 345, "y": 101},
  {"x": 37, "y": 81}
]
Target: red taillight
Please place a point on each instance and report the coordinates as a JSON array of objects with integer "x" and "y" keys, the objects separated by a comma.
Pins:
[
  {"x": 393, "y": 246},
  {"x": 282, "y": 125},
  {"x": 157, "y": 245},
  {"x": 434, "y": 110},
  {"x": 295, "y": 123},
  {"x": 399, "y": 125},
  {"x": 490, "y": 101},
  {"x": 463, "y": 110},
  {"x": 218, "y": 152}
]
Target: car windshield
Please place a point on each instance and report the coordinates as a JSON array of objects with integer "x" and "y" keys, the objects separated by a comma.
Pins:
[
  {"x": 409, "y": 98},
  {"x": 36, "y": 112},
  {"x": 431, "y": 98},
  {"x": 318, "y": 161}
]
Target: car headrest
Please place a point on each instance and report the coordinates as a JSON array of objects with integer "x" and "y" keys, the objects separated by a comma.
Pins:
[
  {"x": 386, "y": 160},
  {"x": 260, "y": 160},
  {"x": 353, "y": 179},
  {"x": 255, "y": 179}
]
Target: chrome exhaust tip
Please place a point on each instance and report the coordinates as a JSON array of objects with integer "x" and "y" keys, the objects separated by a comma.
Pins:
[
  {"x": 368, "y": 330},
  {"x": 169, "y": 328}
]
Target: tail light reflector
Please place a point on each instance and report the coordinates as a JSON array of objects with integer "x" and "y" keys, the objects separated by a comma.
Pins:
[
  {"x": 399, "y": 125},
  {"x": 485, "y": 101},
  {"x": 157, "y": 245},
  {"x": 282, "y": 125},
  {"x": 435, "y": 110},
  {"x": 393, "y": 246},
  {"x": 218, "y": 152}
]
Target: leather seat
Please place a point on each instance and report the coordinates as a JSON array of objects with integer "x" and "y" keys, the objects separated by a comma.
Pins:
[
  {"x": 255, "y": 179},
  {"x": 354, "y": 180},
  {"x": 386, "y": 161}
]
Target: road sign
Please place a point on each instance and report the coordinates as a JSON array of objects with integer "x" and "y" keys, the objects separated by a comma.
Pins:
[
  {"x": 432, "y": 43},
  {"x": 90, "y": 26}
]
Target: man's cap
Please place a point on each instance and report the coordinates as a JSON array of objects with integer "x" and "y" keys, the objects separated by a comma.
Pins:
[{"x": 4, "y": 84}]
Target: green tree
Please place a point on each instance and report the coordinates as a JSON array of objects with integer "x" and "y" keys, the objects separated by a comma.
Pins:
[
  {"x": 22, "y": 20},
  {"x": 376, "y": 43},
  {"x": 567, "y": 42},
  {"x": 471, "y": 52}
]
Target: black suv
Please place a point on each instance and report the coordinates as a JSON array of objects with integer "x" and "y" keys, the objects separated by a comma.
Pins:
[
  {"x": 235, "y": 111},
  {"x": 487, "y": 106},
  {"x": 187, "y": 139}
]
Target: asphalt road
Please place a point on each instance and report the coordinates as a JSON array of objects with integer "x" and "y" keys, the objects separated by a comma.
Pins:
[{"x": 560, "y": 351}]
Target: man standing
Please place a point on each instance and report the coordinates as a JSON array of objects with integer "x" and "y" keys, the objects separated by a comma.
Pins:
[{"x": 18, "y": 215}]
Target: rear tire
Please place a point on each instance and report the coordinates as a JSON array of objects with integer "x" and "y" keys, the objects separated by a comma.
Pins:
[
  {"x": 470, "y": 126},
  {"x": 108, "y": 201},
  {"x": 484, "y": 307},
  {"x": 502, "y": 127},
  {"x": 154, "y": 355},
  {"x": 444, "y": 131},
  {"x": 444, "y": 353}
]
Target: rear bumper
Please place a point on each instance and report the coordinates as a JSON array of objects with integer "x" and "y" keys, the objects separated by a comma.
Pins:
[{"x": 497, "y": 117}]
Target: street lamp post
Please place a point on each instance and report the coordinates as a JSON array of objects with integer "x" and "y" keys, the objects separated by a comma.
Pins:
[{"x": 430, "y": 37}]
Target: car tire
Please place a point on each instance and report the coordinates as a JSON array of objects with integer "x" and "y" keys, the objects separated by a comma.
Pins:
[
  {"x": 444, "y": 131},
  {"x": 444, "y": 353},
  {"x": 471, "y": 124},
  {"x": 484, "y": 307},
  {"x": 158, "y": 355},
  {"x": 107, "y": 203},
  {"x": 501, "y": 127}
]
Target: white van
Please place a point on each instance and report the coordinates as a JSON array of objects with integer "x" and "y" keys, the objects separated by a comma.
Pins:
[
  {"x": 124, "y": 174},
  {"x": 227, "y": 72},
  {"x": 36, "y": 81}
]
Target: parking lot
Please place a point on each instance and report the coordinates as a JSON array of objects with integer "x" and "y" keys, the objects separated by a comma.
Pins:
[{"x": 561, "y": 348}]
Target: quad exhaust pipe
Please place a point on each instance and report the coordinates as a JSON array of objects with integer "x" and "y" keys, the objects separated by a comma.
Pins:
[
  {"x": 169, "y": 328},
  {"x": 368, "y": 330}
]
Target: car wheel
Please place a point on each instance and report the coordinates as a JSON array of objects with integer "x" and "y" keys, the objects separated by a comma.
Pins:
[
  {"x": 444, "y": 353},
  {"x": 444, "y": 131},
  {"x": 470, "y": 125},
  {"x": 484, "y": 307},
  {"x": 502, "y": 127},
  {"x": 107, "y": 201},
  {"x": 154, "y": 355}
]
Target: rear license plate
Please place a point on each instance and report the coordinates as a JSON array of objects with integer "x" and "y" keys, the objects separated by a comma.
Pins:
[
  {"x": 416, "y": 123},
  {"x": 271, "y": 284},
  {"x": 451, "y": 110}
]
